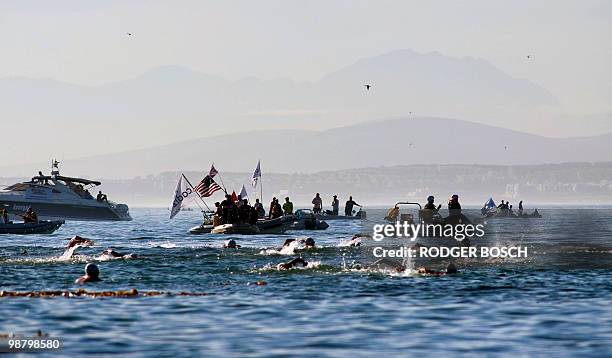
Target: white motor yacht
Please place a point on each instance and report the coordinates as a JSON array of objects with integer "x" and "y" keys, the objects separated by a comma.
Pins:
[{"x": 57, "y": 197}]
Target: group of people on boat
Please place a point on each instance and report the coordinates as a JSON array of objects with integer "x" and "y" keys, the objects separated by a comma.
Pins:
[
  {"x": 30, "y": 216},
  {"x": 317, "y": 207},
  {"x": 431, "y": 211},
  {"x": 505, "y": 209},
  {"x": 234, "y": 212}
]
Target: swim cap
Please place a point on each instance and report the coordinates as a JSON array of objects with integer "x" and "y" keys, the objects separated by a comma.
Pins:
[
  {"x": 230, "y": 244},
  {"x": 92, "y": 270},
  {"x": 451, "y": 268},
  {"x": 309, "y": 242}
]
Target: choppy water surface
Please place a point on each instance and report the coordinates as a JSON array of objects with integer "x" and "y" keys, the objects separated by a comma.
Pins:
[{"x": 555, "y": 302}]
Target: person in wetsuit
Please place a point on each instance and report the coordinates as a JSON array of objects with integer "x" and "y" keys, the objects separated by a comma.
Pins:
[
  {"x": 92, "y": 274},
  {"x": 290, "y": 264}
]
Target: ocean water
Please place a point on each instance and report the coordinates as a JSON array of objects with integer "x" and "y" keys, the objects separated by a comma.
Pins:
[{"x": 555, "y": 302}]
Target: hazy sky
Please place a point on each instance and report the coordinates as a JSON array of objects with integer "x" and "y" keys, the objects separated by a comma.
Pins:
[{"x": 85, "y": 41}]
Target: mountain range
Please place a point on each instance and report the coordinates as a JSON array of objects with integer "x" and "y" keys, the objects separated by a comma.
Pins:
[
  {"x": 173, "y": 104},
  {"x": 391, "y": 142}
]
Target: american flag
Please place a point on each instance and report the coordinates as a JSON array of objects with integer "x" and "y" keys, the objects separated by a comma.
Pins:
[
  {"x": 212, "y": 171},
  {"x": 207, "y": 187}
]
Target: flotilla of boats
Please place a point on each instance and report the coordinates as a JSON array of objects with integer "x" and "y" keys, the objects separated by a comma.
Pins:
[{"x": 56, "y": 198}]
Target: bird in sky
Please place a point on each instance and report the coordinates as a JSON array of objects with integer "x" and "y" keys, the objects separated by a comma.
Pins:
[
  {"x": 368, "y": 87},
  {"x": 129, "y": 33},
  {"x": 528, "y": 56},
  {"x": 505, "y": 147}
]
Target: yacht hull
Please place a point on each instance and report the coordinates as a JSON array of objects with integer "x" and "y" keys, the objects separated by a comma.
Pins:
[{"x": 61, "y": 211}]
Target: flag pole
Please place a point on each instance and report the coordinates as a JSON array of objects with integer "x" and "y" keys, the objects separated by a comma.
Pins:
[
  {"x": 260, "y": 184},
  {"x": 222, "y": 184},
  {"x": 192, "y": 188}
]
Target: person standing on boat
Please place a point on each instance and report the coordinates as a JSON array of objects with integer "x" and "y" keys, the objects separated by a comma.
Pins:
[
  {"x": 288, "y": 207},
  {"x": 335, "y": 205},
  {"x": 520, "y": 210},
  {"x": 317, "y": 204},
  {"x": 276, "y": 211},
  {"x": 348, "y": 207},
  {"x": 230, "y": 211},
  {"x": 4, "y": 216},
  {"x": 244, "y": 212},
  {"x": 261, "y": 212}
]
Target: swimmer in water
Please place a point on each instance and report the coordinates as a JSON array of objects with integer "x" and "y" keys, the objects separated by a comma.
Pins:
[
  {"x": 309, "y": 243},
  {"x": 231, "y": 244},
  {"x": 287, "y": 242},
  {"x": 356, "y": 239},
  {"x": 92, "y": 274},
  {"x": 77, "y": 240},
  {"x": 290, "y": 264},
  {"x": 112, "y": 253},
  {"x": 388, "y": 264},
  {"x": 450, "y": 269}
]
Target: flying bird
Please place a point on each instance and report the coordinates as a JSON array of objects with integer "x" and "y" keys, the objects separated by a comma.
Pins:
[
  {"x": 129, "y": 33},
  {"x": 368, "y": 87},
  {"x": 528, "y": 56}
]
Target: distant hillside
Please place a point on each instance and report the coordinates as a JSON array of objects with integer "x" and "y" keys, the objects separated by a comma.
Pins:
[{"x": 401, "y": 141}]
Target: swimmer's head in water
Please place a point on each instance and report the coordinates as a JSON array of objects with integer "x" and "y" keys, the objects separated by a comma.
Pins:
[
  {"x": 92, "y": 270},
  {"x": 451, "y": 268},
  {"x": 230, "y": 244},
  {"x": 309, "y": 242}
]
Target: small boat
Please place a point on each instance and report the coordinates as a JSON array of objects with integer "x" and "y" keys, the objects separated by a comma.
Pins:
[
  {"x": 236, "y": 229},
  {"x": 328, "y": 215},
  {"x": 41, "y": 227},
  {"x": 263, "y": 226},
  {"x": 275, "y": 226},
  {"x": 305, "y": 219},
  {"x": 421, "y": 216},
  {"x": 201, "y": 229}
]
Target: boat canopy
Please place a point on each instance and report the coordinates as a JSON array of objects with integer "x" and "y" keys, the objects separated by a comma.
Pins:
[{"x": 66, "y": 179}]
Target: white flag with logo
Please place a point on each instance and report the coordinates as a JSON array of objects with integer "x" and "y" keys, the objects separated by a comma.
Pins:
[
  {"x": 257, "y": 174},
  {"x": 183, "y": 195}
]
